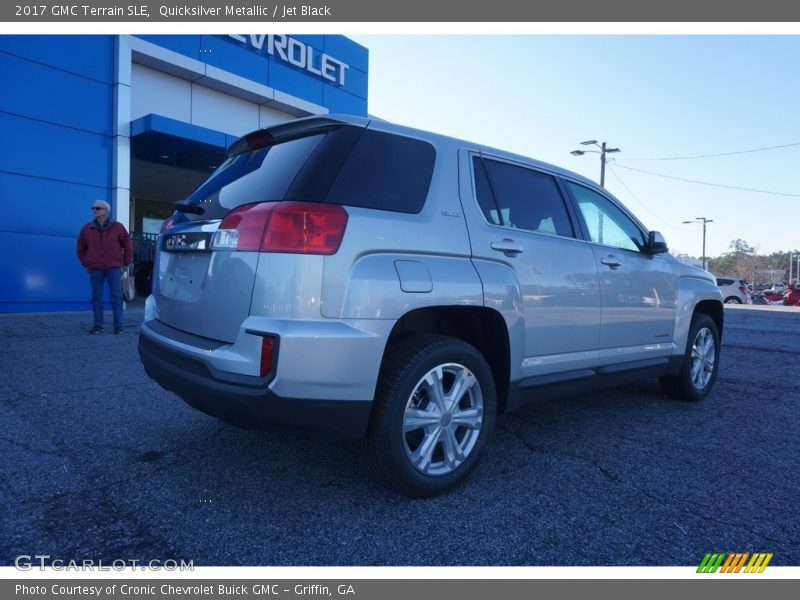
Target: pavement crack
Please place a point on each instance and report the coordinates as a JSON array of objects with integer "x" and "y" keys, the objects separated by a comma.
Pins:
[
  {"x": 538, "y": 450},
  {"x": 605, "y": 472}
]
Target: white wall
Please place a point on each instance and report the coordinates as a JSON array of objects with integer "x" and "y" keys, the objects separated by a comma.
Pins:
[{"x": 155, "y": 92}]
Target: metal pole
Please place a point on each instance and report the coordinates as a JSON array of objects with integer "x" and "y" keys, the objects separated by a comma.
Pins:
[
  {"x": 791, "y": 266},
  {"x": 704, "y": 245},
  {"x": 603, "y": 165}
]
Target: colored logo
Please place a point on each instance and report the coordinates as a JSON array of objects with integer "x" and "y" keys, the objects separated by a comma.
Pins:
[{"x": 735, "y": 562}]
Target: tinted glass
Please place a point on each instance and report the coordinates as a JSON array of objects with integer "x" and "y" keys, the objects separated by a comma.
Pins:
[
  {"x": 387, "y": 172},
  {"x": 345, "y": 165},
  {"x": 256, "y": 176},
  {"x": 483, "y": 192},
  {"x": 605, "y": 222},
  {"x": 521, "y": 198}
]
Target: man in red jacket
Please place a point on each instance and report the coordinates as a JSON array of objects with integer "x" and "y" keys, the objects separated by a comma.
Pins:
[{"x": 104, "y": 249}]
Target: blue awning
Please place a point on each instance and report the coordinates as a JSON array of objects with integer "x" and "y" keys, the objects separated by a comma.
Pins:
[{"x": 159, "y": 139}]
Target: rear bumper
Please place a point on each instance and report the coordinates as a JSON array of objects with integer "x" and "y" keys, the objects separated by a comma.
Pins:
[{"x": 246, "y": 400}]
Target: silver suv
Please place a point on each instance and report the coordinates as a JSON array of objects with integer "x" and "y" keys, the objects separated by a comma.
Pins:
[
  {"x": 734, "y": 291},
  {"x": 349, "y": 275}
]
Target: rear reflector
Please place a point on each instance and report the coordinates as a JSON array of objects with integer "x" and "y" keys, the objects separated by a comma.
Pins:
[
  {"x": 267, "y": 349},
  {"x": 287, "y": 227}
]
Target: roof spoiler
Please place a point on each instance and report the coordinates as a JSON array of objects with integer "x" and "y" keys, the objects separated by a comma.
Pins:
[{"x": 285, "y": 131}]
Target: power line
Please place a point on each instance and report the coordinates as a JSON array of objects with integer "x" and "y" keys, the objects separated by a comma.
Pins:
[
  {"x": 721, "y": 185},
  {"x": 615, "y": 174},
  {"x": 716, "y": 155}
]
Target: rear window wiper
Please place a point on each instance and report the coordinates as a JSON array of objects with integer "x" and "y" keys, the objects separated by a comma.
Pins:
[{"x": 189, "y": 208}]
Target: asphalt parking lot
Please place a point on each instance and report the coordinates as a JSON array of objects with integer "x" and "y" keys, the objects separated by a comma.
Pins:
[{"x": 98, "y": 462}]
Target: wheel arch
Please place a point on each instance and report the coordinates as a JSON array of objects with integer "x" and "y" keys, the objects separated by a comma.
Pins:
[
  {"x": 713, "y": 309},
  {"x": 481, "y": 327}
]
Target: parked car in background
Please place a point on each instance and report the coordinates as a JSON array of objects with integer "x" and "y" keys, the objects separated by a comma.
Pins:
[
  {"x": 734, "y": 291},
  {"x": 778, "y": 288},
  {"x": 791, "y": 297}
]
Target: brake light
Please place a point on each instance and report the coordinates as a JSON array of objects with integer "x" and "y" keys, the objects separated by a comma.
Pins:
[
  {"x": 243, "y": 228},
  {"x": 286, "y": 227},
  {"x": 305, "y": 228},
  {"x": 744, "y": 290}
]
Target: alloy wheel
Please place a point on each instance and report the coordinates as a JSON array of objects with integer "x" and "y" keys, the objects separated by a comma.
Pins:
[
  {"x": 704, "y": 354},
  {"x": 442, "y": 419}
]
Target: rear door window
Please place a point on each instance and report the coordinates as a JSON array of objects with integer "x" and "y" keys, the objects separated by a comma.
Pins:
[{"x": 521, "y": 198}]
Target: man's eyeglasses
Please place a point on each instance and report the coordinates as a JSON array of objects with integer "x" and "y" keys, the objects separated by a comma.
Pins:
[{"x": 98, "y": 208}]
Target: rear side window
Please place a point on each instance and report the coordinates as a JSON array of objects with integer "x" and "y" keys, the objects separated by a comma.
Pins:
[
  {"x": 387, "y": 172},
  {"x": 721, "y": 281},
  {"x": 344, "y": 165},
  {"x": 520, "y": 198}
]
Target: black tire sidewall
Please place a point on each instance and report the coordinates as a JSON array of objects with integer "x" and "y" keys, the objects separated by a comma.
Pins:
[{"x": 431, "y": 352}]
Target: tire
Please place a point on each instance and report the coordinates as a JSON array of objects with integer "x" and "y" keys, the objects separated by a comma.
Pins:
[
  {"x": 700, "y": 362},
  {"x": 421, "y": 441},
  {"x": 732, "y": 300}
]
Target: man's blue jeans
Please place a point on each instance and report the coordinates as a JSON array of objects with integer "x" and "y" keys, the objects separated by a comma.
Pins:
[{"x": 114, "y": 278}]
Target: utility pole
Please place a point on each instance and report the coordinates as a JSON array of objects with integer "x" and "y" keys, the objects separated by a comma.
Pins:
[
  {"x": 702, "y": 220},
  {"x": 602, "y": 152}
]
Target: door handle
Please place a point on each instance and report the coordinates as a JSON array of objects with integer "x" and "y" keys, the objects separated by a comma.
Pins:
[
  {"x": 611, "y": 261},
  {"x": 506, "y": 246}
]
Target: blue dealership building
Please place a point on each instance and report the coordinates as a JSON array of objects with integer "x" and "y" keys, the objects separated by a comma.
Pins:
[{"x": 138, "y": 121}]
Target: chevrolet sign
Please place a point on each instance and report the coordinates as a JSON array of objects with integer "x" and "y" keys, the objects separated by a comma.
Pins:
[{"x": 297, "y": 54}]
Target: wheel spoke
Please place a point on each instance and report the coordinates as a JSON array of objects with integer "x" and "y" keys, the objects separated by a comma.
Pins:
[
  {"x": 464, "y": 381},
  {"x": 422, "y": 457},
  {"x": 471, "y": 418},
  {"x": 434, "y": 384},
  {"x": 696, "y": 371},
  {"x": 415, "y": 418},
  {"x": 453, "y": 454}
]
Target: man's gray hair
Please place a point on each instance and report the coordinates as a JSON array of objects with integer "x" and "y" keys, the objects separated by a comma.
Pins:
[{"x": 102, "y": 203}]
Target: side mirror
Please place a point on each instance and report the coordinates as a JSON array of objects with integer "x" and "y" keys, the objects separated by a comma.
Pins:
[{"x": 656, "y": 244}]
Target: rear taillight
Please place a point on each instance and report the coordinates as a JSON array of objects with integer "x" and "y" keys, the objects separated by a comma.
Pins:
[
  {"x": 744, "y": 290},
  {"x": 243, "y": 228},
  {"x": 305, "y": 228},
  {"x": 289, "y": 227}
]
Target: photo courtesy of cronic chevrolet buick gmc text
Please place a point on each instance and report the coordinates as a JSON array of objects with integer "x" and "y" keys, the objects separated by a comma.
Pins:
[{"x": 349, "y": 275}]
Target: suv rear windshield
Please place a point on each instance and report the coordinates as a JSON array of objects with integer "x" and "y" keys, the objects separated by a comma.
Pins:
[{"x": 344, "y": 165}]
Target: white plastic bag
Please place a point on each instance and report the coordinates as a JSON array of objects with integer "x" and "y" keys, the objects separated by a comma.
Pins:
[{"x": 128, "y": 287}]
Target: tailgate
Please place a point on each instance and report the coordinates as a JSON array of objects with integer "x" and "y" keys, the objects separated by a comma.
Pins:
[{"x": 202, "y": 292}]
